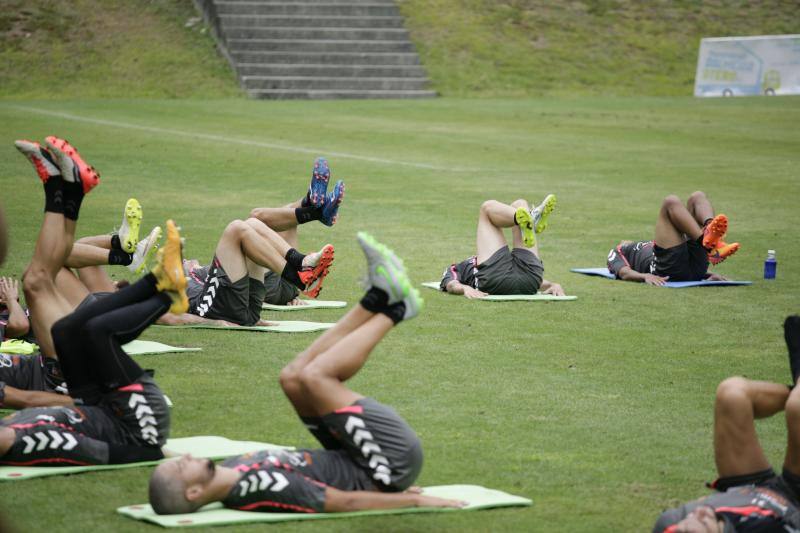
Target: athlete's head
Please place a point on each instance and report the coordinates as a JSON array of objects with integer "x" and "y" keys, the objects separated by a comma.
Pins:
[
  {"x": 189, "y": 265},
  {"x": 180, "y": 486}
]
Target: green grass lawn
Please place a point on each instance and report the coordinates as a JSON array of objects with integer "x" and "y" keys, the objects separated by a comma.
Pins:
[{"x": 600, "y": 410}]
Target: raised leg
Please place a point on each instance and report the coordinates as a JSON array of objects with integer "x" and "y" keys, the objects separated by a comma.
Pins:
[
  {"x": 739, "y": 402},
  {"x": 71, "y": 288},
  {"x": 700, "y": 207},
  {"x": 241, "y": 241},
  {"x": 493, "y": 216},
  {"x": 674, "y": 222}
]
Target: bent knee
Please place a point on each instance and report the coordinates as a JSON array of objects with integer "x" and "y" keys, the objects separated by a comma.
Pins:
[
  {"x": 310, "y": 377},
  {"x": 487, "y": 205},
  {"x": 671, "y": 201},
  {"x": 289, "y": 378},
  {"x": 235, "y": 228},
  {"x": 36, "y": 280},
  {"x": 696, "y": 196},
  {"x": 732, "y": 389},
  {"x": 520, "y": 203}
]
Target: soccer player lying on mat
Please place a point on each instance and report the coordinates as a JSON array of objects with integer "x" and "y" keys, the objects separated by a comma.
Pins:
[
  {"x": 496, "y": 269},
  {"x": 370, "y": 453},
  {"x": 317, "y": 204},
  {"x": 751, "y": 497},
  {"x": 231, "y": 289},
  {"x": 687, "y": 239},
  {"x": 120, "y": 414}
]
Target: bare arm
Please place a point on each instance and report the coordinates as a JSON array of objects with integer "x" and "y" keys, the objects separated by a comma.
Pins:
[
  {"x": 549, "y": 287},
  {"x": 21, "y": 399},
  {"x": 629, "y": 274},
  {"x": 338, "y": 501},
  {"x": 168, "y": 319},
  {"x": 454, "y": 287},
  {"x": 18, "y": 324}
]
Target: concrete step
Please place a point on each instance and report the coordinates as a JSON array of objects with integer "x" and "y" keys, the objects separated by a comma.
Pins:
[
  {"x": 294, "y": 45},
  {"x": 329, "y": 83},
  {"x": 308, "y": 21},
  {"x": 294, "y": 94},
  {"x": 353, "y": 9},
  {"x": 339, "y": 58},
  {"x": 332, "y": 71},
  {"x": 334, "y": 34}
]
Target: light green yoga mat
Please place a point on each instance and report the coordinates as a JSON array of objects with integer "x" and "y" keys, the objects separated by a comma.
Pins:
[
  {"x": 512, "y": 297},
  {"x": 139, "y": 347},
  {"x": 309, "y": 304},
  {"x": 207, "y": 446},
  {"x": 476, "y": 496},
  {"x": 281, "y": 326}
]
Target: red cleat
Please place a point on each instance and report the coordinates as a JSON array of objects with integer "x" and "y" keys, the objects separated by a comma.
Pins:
[
  {"x": 715, "y": 231},
  {"x": 312, "y": 277},
  {"x": 42, "y": 160},
  {"x": 73, "y": 167},
  {"x": 721, "y": 252}
]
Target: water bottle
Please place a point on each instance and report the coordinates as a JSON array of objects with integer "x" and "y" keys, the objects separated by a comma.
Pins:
[{"x": 770, "y": 265}]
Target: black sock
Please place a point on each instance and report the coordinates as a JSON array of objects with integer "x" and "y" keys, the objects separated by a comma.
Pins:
[
  {"x": 118, "y": 257},
  {"x": 375, "y": 300},
  {"x": 294, "y": 258},
  {"x": 306, "y": 201},
  {"x": 317, "y": 427},
  {"x": 791, "y": 333},
  {"x": 115, "y": 242},
  {"x": 307, "y": 214},
  {"x": 53, "y": 196},
  {"x": 395, "y": 312},
  {"x": 73, "y": 196},
  {"x": 290, "y": 274}
]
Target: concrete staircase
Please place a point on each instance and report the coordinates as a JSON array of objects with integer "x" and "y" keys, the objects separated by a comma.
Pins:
[{"x": 318, "y": 48}]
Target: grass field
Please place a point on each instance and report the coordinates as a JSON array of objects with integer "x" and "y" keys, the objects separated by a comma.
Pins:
[{"x": 599, "y": 409}]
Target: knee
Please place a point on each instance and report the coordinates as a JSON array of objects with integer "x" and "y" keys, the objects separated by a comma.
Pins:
[
  {"x": 696, "y": 196},
  {"x": 792, "y": 406},
  {"x": 519, "y": 203},
  {"x": 235, "y": 229},
  {"x": 290, "y": 379},
  {"x": 487, "y": 205},
  {"x": 310, "y": 377},
  {"x": 731, "y": 391},
  {"x": 670, "y": 202},
  {"x": 35, "y": 281},
  {"x": 255, "y": 212}
]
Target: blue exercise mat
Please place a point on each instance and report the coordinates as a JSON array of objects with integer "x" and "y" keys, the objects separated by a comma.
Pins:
[{"x": 604, "y": 273}]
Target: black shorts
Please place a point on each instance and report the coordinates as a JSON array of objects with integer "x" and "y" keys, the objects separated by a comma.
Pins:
[
  {"x": 767, "y": 479},
  {"x": 136, "y": 415},
  {"x": 234, "y": 301},
  {"x": 278, "y": 291},
  {"x": 379, "y": 441},
  {"x": 684, "y": 262},
  {"x": 516, "y": 271}
]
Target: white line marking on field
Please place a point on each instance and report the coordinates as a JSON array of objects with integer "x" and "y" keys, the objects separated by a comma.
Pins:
[{"x": 233, "y": 140}]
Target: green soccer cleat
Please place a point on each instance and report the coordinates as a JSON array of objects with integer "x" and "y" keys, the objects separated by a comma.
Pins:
[
  {"x": 385, "y": 271},
  {"x": 131, "y": 221},
  {"x": 541, "y": 212},
  {"x": 525, "y": 221}
]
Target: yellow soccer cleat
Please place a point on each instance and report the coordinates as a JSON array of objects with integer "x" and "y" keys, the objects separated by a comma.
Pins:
[
  {"x": 541, "y": 212},
  {"x": 169, "y": 270},
  {"x": 525, "y": 221},
  {"x": 131, "y": 221}
]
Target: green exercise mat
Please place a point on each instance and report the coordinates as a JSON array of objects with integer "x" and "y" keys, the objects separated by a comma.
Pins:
[
  {"x": 206, "y": 446},
  {"x": 307, "y": 304},
  {"x": 476, "y": 496},
  {"x": 281, "y": 326},
  {"x": 512, "y": 297},
  {"x": 140, "y": 347}
]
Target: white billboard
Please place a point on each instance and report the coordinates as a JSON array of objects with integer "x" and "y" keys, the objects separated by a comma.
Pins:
[{"x": 748, "y": 66}]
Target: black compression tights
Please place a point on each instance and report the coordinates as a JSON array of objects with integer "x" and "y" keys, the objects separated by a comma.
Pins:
[{"x": 89, "y": 340}]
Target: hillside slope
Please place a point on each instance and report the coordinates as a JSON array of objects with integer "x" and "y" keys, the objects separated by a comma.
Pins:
[
  {"x": 534, "y": 47},
  {"x": 108, "y": 48}
]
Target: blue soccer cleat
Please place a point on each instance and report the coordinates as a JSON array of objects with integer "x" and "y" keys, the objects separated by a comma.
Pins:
[
  {"x": 319, "y": 182},
  {"x": 330, "y": 209}
]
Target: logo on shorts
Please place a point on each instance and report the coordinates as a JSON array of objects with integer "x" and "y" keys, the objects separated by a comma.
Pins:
[
  {"x": 362, "y": 438},
  {"x": 146, "y": 418},
  {"x": 212, "y": 284},
  {"x": 53, "y": 440}
]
